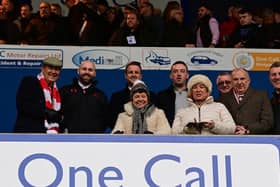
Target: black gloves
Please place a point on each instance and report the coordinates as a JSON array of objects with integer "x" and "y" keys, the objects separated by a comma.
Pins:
[
  {"x": 194, "y": 127},
  {"x": 52, "y": 116},
  {"x": 118, "y": 132},
  {"x": 148, "y": 132}
]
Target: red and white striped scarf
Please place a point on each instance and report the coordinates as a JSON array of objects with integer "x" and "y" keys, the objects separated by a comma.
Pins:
[{"x": 52, "y": 101}]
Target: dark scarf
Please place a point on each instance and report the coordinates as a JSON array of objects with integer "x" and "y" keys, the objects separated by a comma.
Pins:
[{"x": 139, "y": 123}]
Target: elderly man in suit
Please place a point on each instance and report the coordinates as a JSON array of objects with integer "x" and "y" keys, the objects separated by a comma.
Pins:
[{"x": 250, "y": 109}]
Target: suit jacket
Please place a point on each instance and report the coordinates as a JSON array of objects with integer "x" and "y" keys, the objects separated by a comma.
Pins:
[
  {"x": 254, "y": 110},
  {"x": 275, "y": 101},
  {"x": 30, "y": 103},
  {"x": 166, "y": 102}
]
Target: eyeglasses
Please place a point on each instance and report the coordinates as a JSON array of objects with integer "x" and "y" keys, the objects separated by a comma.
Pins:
[{"x": 223, "y": 83}]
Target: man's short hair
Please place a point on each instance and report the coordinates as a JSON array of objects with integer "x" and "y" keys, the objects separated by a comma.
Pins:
[
  {"x": 245, "y": 10},
  {"x": 179, "y": 62},
  {"x": 223, "y": 74},
  {"x": 135, "y": 63},
  {"x": 275, "y": 65}
]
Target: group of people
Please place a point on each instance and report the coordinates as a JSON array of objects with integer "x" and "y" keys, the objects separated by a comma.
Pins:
[
  {"x": 95, "y": 23},
  {"x": 184, "y": 107}
]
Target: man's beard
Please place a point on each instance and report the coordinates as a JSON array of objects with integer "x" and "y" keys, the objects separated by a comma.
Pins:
[{"x": 85, "y": 82}]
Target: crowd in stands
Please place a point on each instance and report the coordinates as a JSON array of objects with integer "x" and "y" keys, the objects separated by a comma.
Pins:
[{"x": 95, "y": 23}]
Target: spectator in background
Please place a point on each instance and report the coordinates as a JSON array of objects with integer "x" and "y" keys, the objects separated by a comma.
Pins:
[
  {"x": 229, "y": 25},
  {"x": 71, "y": 3},
  {"x": 174, "y": 97},
  {"x": 38, "y": 100},
  {"x": 151, "y": 20},
  {"x": 45, "y": 29},
  {"x": 9, "y": 33},
  {"x": 102, "y": 7},
  {"x": 86, "y": 26},
  {"x": 23, "y": 20},
  {"x": 274, "y": 76},
  {"x": 269, "y": 34},
  {"x": 140, "y": 3},
  {"x": 140, "y": 115},
  {"x": 224, "y": 82},
  {"x": 132, "y": 33},
  {"x": 250, "y": 109},
  {"x": 202, "y": 115},
  {"x": 11, "y": 7},
  {"x": 245, "y": 35},
  {"x": 207, "y": 28},
  {"x": 170, "y": 6},
  {"x": 176, "y": 33},
  {"x": 56, "y": 9},
  {"x": 114, "y": 18},
  {"x": 84, "y": 106},
  {"x": 133, "y": 72}
]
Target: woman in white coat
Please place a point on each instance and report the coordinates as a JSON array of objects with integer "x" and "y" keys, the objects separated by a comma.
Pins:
[
  {"x": 202, "y": 115},
  {"x": 141, "y": 116}
]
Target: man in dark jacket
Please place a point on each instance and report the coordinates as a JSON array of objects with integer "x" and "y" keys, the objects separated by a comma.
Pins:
[
  {"x": 250, "y": 109},
  {"x": 84, "y": 107},
  {"x": 274, "y": 76},
  {"x": 175, "y": 96},
  {"x": 38, "y": 101},
  {"x": 245, "y": 35}
]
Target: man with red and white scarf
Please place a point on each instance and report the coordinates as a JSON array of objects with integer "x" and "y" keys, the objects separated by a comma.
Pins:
[{"x": 38, "y": 100}]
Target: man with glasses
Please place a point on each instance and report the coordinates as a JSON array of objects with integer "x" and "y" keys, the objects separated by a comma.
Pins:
[
  {"x": 224, "y": 82},
  {"x": 250, "y": 108}
]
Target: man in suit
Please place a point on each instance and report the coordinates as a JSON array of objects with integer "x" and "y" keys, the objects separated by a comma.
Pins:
[
  {"x": 175, "y": 96},
  {"x": 250, "y": 109}
]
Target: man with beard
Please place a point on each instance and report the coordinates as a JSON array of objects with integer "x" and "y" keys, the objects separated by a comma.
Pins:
[
  {"x": 207, "y": 28},
  {"x": 250, "y": 108},
  {"x": 175, "y": 96},
  {"x": 84, "y": 106}
]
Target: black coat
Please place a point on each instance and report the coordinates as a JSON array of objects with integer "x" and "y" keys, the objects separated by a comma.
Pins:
[
  {"x": 30, "y": 103},
  {"x": 84, "y": 111},
  {"x": 275, "y": 101},
  {"x": 166, "y": 102},
  {"x": 177, "y": 35}
]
